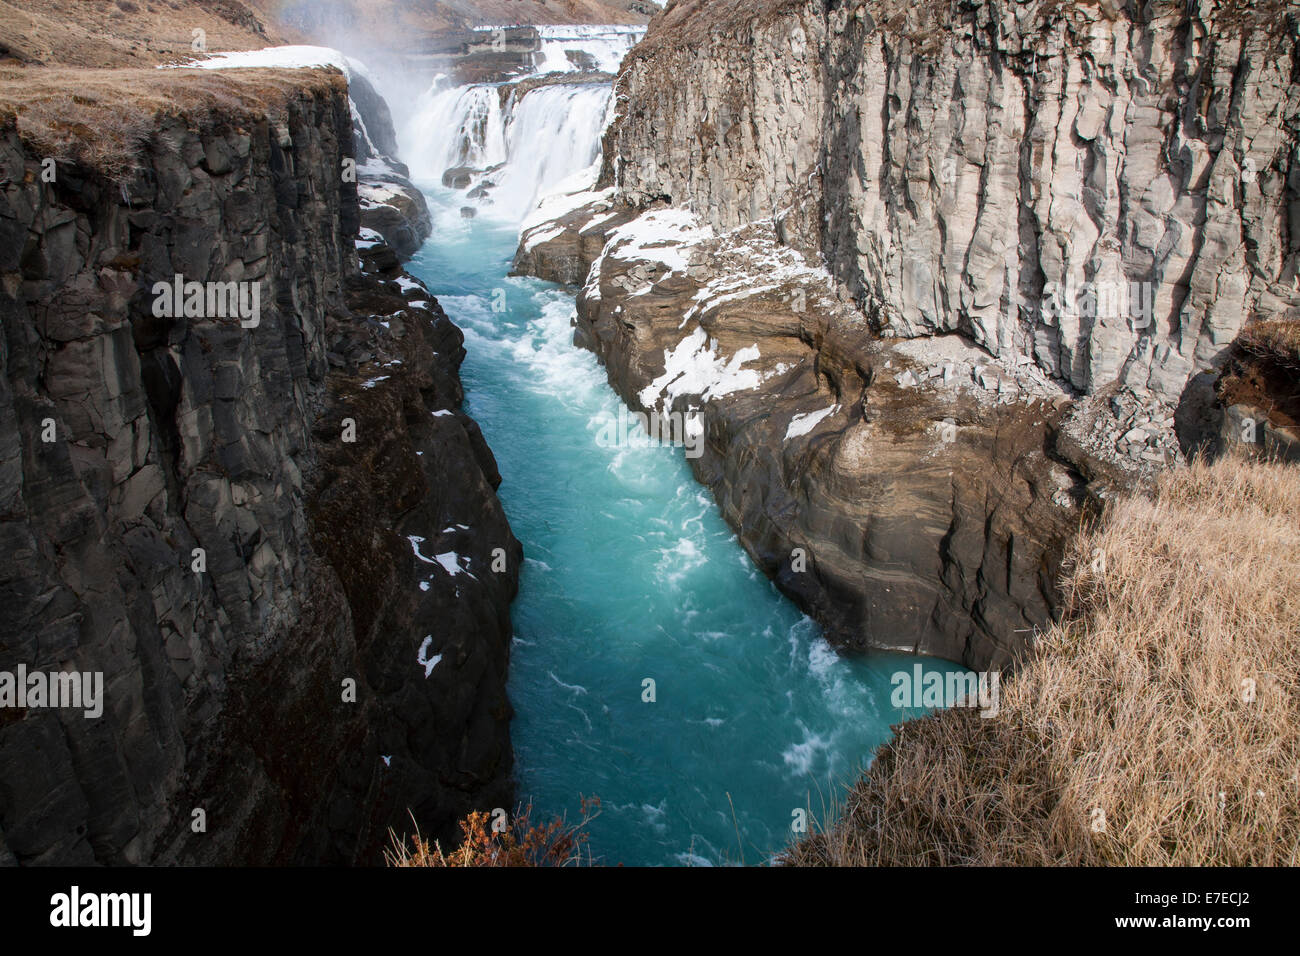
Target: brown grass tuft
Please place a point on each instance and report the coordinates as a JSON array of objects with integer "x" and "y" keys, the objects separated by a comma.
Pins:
[
  {"x": 521, "y": 843},
  {"x": 1276, "y": 341},
  {"x": 1136, "y": 708}
]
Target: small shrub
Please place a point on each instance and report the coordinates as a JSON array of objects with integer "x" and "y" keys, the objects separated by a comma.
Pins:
[{"x": 521, "y": 843}]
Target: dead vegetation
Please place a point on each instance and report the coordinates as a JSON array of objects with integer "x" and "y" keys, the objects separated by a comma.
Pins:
[
  {"x": 124, "y": 33},
  {"x": 102, "y": 119},
  {"x": 1276, "y": 341},
  {"x": 1158, "y": 725},
  {"x": 517, "y": 842},
  {"x": 1263, "y": 371}
]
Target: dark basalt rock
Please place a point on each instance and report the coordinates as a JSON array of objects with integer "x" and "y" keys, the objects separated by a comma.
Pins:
[
  {"x": 225, "y": 689},
  {"x": 391, "y": 204}
]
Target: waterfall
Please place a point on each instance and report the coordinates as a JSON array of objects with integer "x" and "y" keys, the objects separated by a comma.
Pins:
[
  {"x": 605, "y": 45},
  {"x": 461, "y": 126},
  {"x": 553, "y": 133},
  {"x": 517, "y": 143}
]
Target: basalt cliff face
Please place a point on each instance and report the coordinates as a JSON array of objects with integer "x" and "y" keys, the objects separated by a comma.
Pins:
[
  {"x": 278, "y": 543},
  {"x": 937, "y": 279}
]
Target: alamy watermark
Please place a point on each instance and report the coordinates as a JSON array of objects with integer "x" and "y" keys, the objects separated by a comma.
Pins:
[
  {"x": 209, "y": 300},
  {"x": 1134, "y": 301},
  {"x": 37, "y": 689},
  {"x": 75, "y": 909},
  {"x": 918, "y": 690},
  {"x": 640, "y": 430}
]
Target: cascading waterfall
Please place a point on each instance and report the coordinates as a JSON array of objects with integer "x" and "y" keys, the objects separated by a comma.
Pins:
[
  {"x": 604, "y": 45},
  {"x": 519, "y": 151},
  {"x": 515, "y": 141},
  {"x": 460, "y": 126},
  {"x": 558, "y": 130}
]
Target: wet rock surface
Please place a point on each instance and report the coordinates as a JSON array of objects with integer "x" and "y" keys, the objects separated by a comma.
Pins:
[{"x": 342, "y": 654}]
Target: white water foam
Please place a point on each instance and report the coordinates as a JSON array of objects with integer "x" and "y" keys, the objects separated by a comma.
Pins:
[{"x": 523, "y": 150}]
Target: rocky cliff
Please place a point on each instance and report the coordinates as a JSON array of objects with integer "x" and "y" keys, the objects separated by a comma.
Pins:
[
  {"x": 278, "y": 540},
  {"x": 958, "y": 164},
  {"x": 391, "y": 204},
  {"x": 937, "y": 278}
]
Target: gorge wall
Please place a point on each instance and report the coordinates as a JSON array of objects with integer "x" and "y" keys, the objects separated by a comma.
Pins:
[
  {"x": 338, "y": 653},
  {"x": 937, "y": 280},
  {"x": 955, "y": 165}
]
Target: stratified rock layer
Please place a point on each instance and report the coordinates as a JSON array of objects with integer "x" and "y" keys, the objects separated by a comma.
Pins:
[
  {"x": 908, "y": 503},
  {"x": 963, "y": 167},
  {"x": 341, "y": 656}
]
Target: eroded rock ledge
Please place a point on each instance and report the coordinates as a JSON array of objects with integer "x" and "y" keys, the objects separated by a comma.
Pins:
[
  {"x": 909, "y": 498},
  {"x": 327, "y": 560}
]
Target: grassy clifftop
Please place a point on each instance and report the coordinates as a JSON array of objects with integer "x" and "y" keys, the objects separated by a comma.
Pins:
[
  {"x": 1159, "y": 724},
  {"x": 123, "y": 33},
  {"x": 102, "y": 118}
]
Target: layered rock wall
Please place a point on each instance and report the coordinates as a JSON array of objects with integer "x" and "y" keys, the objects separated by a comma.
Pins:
[
  {"x": 938, "y": 278},
  {"x": 242, "y": 528}
]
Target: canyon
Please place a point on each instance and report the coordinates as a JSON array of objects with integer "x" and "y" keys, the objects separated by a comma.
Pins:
[
  {"x": 921, "y": 290},
  {"x": 220, "y": 524}
]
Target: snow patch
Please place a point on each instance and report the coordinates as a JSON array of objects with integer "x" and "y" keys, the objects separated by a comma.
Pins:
[
  {"x": 423, "y": 659},
  {"x": 695, "y": 367},
  {"x": 805, "y": 422},
  {"x": 661, "y": 235}
]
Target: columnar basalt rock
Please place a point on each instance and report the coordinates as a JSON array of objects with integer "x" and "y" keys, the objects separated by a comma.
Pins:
[
  {"x": 262, "y": 536},
  {"x": 966, "y": 167}
]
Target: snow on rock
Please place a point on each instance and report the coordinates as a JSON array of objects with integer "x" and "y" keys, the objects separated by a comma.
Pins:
[
  {"x": 539, "y": 235},
  {"x": 805, "y": 422},
  {"x": 284, "y": 58},
  {"x": 571, "y": 194},
  {"x": 450, "y": 562},
  {"x": 369, "y": 239},
  {"x": 661, "y": 235},
  {"x": 423, "y": 658},
  {"x": 695, "y": 367}
]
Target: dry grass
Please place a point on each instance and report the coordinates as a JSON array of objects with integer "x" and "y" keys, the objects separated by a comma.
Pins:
[
  {"x": 102, "y": 119},
  {"x": 520, "y": 843},
  {"x": 1138, "y": 707},
  {"x": 124, "y": 33},
  {"x": 1277, "y": 341}
]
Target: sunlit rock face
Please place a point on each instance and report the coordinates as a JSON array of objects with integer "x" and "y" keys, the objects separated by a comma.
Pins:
[{"x": 969, "y": 168}]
